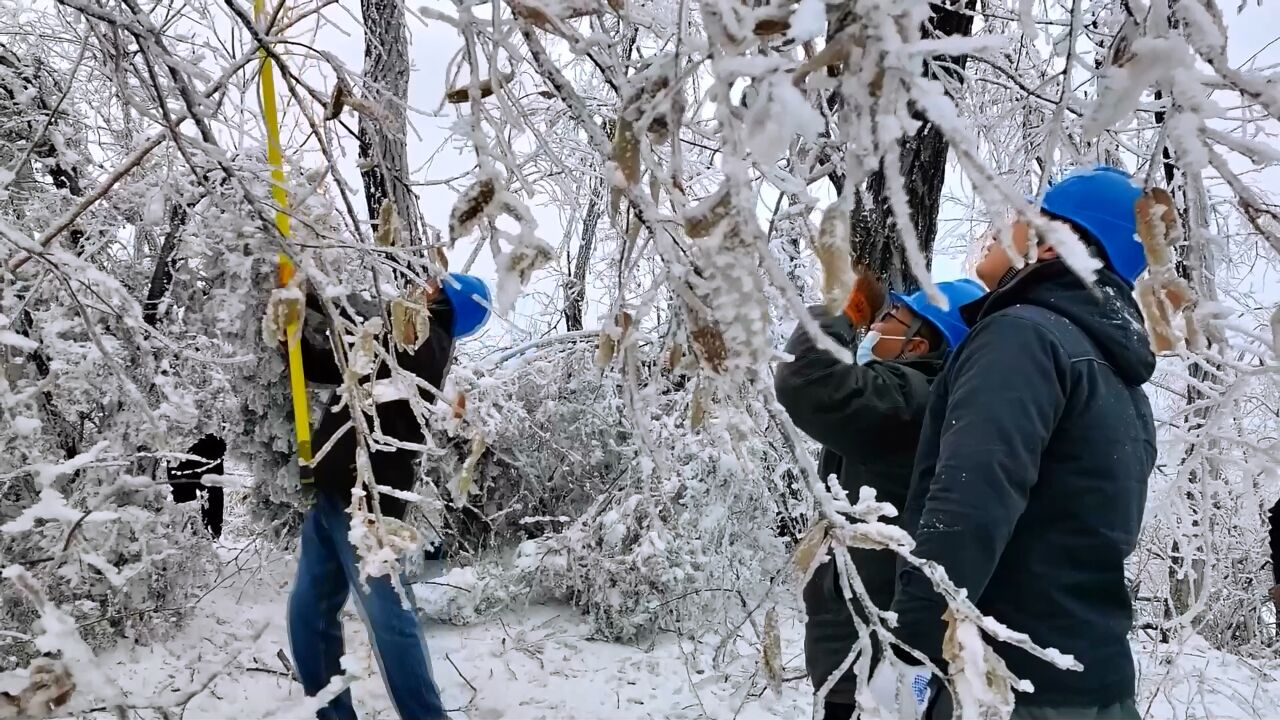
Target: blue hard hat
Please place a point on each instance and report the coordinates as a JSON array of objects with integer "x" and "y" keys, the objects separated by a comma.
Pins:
[
  {"x": 948, "y": 322},
  {"x": 470, "y": 299},
  {"x": 1100, "y": 201}
]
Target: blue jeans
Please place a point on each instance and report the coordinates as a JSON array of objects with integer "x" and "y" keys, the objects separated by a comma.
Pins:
[{"x": 327, "y": 572}]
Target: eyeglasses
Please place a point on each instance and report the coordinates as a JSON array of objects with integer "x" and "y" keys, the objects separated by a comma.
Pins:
[{"x": 889, "y": 313}]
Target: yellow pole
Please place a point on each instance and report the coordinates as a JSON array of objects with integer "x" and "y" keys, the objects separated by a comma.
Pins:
[{"x": 284, "y": 266}]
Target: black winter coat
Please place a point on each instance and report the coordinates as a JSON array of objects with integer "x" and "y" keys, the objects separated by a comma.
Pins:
[
  {"x": 393, "y": 467},
  {"x": 867, "y": 418},
  {"x": 1273, "y": 523},
  {"x": 1031, "y": 478}
]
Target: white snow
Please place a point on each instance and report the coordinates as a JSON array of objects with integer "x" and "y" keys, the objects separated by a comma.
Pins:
[
  {"x": 779, "y": 113},
  {"x": 25, "y": 426},
  {"x": 53, "y": 506},
  {"x": 808, "y": 20},
  {"x": 543, "y": 662},
  {"x": 13, "y": 339}
]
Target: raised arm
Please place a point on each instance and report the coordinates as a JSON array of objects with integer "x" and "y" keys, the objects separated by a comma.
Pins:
[
  {"x": 318, "y": 362},
  {"x": 842, "y": 405}
]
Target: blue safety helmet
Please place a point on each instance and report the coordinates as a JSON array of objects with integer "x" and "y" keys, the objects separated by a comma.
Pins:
[
  {"x": 948, "y": 322},
  {"x": 470, "y": 299},
  {"x": 1100, "y": 201}
]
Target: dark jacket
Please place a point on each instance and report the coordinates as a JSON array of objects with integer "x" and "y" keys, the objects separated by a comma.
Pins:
[
  {"x": 1031, "y": 478},
  {"x": 867, "y": 418},
  {"x": 392, "y": 467},
  {"x": 184, "y": 479},
  {"x": 1273, "y": 525},
  {"x": 211, "y": 449}
]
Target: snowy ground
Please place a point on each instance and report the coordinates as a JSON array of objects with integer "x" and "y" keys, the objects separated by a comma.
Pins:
[{"x": 542, "y": 663}]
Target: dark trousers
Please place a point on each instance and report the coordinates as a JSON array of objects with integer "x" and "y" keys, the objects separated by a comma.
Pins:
[
  {"x": 940, "y": 708},
  {"x": 1273, "y": 518},
  {"x": 837, "y": 711},
  {"x": 184, "y": 480}
]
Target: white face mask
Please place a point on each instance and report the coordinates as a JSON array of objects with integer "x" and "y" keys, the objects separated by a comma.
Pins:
[{"x": 866, "y": 348}]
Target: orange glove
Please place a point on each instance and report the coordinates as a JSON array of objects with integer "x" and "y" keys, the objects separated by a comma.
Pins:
[{"x": 866, "y": 298}]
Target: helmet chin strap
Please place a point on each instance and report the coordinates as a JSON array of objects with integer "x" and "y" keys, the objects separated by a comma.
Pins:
[{"x": 908, "y": 336}]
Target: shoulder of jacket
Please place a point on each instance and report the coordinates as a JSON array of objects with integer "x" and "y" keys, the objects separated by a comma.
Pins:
[
  {"x": 1032, "y": 323},
  {"x": 914, "y": 383},
  {"x": 1070, "y": 336},
  {"x": 1018, "y": 318}
]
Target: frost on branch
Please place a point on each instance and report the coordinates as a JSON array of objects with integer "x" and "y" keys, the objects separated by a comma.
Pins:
[
  {"x": 473, "y": 205},
  {"x": 48, "y": 687},
  {"x": 640, "y": 469},
  {"x": 1164, "y": 296},
  {"x": 51, "y": 683}
]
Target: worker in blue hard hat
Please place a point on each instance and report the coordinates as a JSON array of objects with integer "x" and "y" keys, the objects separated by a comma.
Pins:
[
  {"x": 457, "y": 306},
  {"x": 1098, "y": 206},
  {"x": 1031, "y": 476},
  {"x": 929, "y": 325},
  {"x": 867, "y": 417}
]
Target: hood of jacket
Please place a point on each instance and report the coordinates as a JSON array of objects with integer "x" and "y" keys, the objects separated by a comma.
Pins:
[{"x": 1107, "y": 312}]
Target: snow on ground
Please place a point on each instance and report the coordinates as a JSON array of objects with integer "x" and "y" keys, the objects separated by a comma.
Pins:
[
  {"x": 543, "y": 663},
  {"x": 539, "y": 663}
]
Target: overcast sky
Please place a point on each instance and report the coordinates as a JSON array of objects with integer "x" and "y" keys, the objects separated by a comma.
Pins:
[{"x": 436, "y": 153}]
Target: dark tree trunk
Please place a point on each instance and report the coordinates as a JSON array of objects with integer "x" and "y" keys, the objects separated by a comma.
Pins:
[
  {"x": 575, "y": 290},
  {"x": 875, "y": 240},
  {"x": 383, "y": 152},
  {"x": 162, "y": 273},
  {"x": 1193, "y": 262}
]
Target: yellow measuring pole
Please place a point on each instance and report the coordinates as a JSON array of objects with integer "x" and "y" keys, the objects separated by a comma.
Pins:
[{"x": 284, "y": 266}]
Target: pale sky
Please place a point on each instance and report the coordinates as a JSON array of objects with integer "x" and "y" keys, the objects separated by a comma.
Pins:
[{"x": 433, "y": 44}]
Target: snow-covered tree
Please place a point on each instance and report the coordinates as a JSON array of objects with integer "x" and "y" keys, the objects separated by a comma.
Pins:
[{"x": 713, "y": 165}]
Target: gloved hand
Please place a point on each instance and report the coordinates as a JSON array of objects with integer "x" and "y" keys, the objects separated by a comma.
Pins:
[
  {"x": 864, "y": 300},
  {"x": 900, "y": 690}
]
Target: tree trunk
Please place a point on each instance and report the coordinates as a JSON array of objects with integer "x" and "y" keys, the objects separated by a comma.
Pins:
[
  {"x": 383, "y": 153},
  {"x": 1194, "y": 263},
  {"x": 1194, "y": 258},
  {"x": 875, "y": 240},
  {"x": 162, "y": 273},
  {"x": 575, "y": 290}
]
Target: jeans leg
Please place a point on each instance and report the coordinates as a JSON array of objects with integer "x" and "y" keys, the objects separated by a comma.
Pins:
[
  {"x": 396, "y": 635},
  {"x": 315, "y": 628}
]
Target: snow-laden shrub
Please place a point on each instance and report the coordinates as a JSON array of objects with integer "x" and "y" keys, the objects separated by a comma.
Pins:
[
  {"x": 1202, "y": 567},
  {"x": 465, "y": 595},
  {"x": 643, "y": 502},
  {"x": 80, "y": 505},
  {"x": 224, "y": 278}
]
